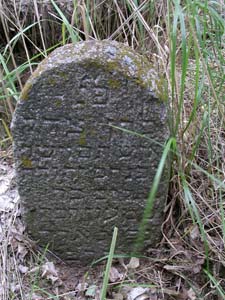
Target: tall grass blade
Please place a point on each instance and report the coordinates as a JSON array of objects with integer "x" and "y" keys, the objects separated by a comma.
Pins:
[
  {"x": 17, "y": 36},
  {"x": 198, "y": 140},
  {"x": 7, "y": 72},
  {"x": 222, "y": 213},
  {"x": 109, "y": 264},
  {"x": 216, "y": 283},
  {"x": 198, "y": 91},
  {"x": 150, "y": 201},
  {"x": 195, "y": 216},
  {"x": 184, "y": 62},
  {"x": 173, "y": 43},
  {"x": 73, "y": 35}
]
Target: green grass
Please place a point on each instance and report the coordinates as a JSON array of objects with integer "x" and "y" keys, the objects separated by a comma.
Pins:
[
  {"x": 185, "y": 42},
  {"x": 170, "y": 145},
  {"x": 109, "y": 264}
]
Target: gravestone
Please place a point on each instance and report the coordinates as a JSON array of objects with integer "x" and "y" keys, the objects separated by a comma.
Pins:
[{"x": 82, "y": 163}]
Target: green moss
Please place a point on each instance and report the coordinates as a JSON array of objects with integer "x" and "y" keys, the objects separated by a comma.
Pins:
[
  {"x": 29, "y": 83},
  {"x": 26, "y": 90},
  {"x": 26, "y": 162},
  {"x": 124, "y": 119},
  {"x": 113, "y": 83},
  {"x": 93, "y": 132},
  {"x": 58, "y": 103},
  {"x": 51, "y": 81},
  {"x": 112, "y": 66},
  {"x": 161, "y": 88},
  {"x": 62, "y": 74},
  {"x": 83, "y": 138}
]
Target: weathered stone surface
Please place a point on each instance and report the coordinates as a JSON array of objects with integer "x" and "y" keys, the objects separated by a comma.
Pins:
[{"x": 78, "y": 176}]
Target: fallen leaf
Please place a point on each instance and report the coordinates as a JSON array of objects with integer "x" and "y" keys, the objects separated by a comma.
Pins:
[
  {"x": 49, "y": 272},
  {"x": 136, "y": 292},
  {"x": 153, "y": 297},
  {"x": 114, "y": 275},
  {"x": 142, "y": 297},
  {"x": 4, "y": 184},
  {"x": 91, "y": 291},
  {"x": 14, "y": 287},
  {"x": 134, "y": 263},
  {"x": 125, "y": 290},
  {"x": 69, "y": 296},
  {"x": 81, "y": 287},
  {"x": 173, "y": 268},
  {"x": 23, "y": 269},
  {"x": 21, "y": 251},
  {"x": 6, "y": 203},
  {"x": 117, "y": 296},
  {"x": 36, "y": 297},
  {"x": 191, "y": 294},
  {"x": 195, "y": 234},
  {"x": 197, "y": 269}
]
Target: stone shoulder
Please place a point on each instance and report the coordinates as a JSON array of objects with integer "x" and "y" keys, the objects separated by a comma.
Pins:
[{"x": 111, "y": 56}]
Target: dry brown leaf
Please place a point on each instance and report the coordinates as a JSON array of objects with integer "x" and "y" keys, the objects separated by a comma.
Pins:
[
  {"x": 195, "y": 234},
  {"x": 153, "y": 297},
  {"x": 69, "y": 296},
  {"x": 173, "y": 268},
  {"x": 197, "y": 269},
  {"x": 125, "y": 291},
  {"x": 49, "y": 272},
  {"x": 115, "y": 275},
  {"x": 81, "y": 287},
  {"x": 134, "y": 263},
  {"x": 117, "y": 296},
  {"x": 191, "y": 294},
  {"x": 136, "y": 292},
  {"x": 36, "y": 297},
  {"x": 91, "y": 291},
  {"x": 23, "y": 269},
  {"x": 14, "y": 287},
  {"x": 142, "y": 297},
  {"x": 8, "y": 197},
  {"x": 5, "y": 178},
  {"x": 6, "y": 203},
  {"x": 21, "y": 251}
]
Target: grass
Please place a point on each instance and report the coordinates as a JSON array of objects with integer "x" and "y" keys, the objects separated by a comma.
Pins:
[
  {"x": 185, "y": 42},
  {"x": 109, "y": 264}
]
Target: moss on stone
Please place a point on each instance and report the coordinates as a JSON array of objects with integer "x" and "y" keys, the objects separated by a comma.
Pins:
[
  {"x": 161, "y": 88},
  {"x": 124, "y": 119},
  {"x": 83, "y": 138},
  {"x": 112, "y": 66},
  {"x": 114, "y": 83},
  {"x": 62, "y": 74},
  {"x": 26, "y": 90},
  {"x": 93, "y": 132},
  {"x": 51, "y": 81},
  {"x": 28, "y": 86},
  {"x": 58, "y": 103},
  {"x": 26, "y": 162}
]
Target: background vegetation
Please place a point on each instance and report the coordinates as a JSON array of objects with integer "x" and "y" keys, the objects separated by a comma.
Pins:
[{"x": 185, "y": 41}]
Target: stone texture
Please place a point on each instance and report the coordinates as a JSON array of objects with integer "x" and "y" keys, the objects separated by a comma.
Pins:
[{"x": 78, "y": 176}]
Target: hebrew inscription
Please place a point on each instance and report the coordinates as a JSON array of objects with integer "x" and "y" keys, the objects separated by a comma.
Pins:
[{"x": 82, "y": 166}]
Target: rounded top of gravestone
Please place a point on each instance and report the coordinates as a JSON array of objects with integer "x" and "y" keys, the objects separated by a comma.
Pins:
[{"x": 111, "y": 56}]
